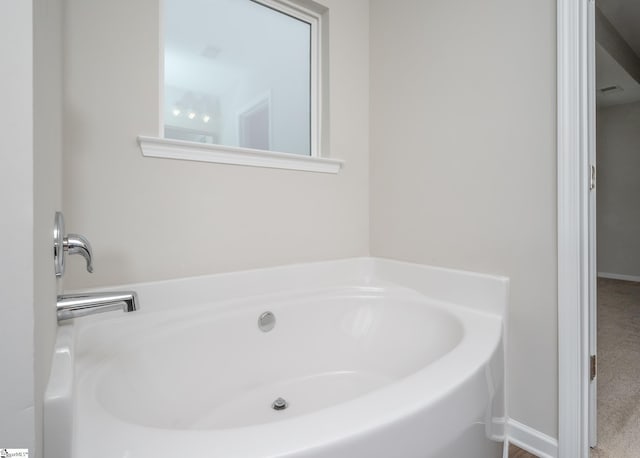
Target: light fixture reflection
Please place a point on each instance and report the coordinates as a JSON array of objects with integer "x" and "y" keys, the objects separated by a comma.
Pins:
[{"x": 196, "y": 107}]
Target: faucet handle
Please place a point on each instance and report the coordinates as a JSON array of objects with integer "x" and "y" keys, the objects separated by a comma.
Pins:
[
  {"x": 71, "y": 243},
  {"x": 78, "y": 244}
]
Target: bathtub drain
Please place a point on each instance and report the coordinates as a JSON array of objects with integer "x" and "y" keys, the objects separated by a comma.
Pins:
[{"x": 279, "y": 404}]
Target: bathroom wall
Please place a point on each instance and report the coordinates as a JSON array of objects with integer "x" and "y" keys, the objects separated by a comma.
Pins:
[
  {"x": 463, "y": 162},
  {"x": 47, "y": 188},
  {"x": 618, "y": 218},
  {"x": 16, "y": 228},
  {"x": 30, "y": 181},
  {"x": 152, "y": 219}
]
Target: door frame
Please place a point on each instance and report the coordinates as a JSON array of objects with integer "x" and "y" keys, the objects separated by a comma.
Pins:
[{"x": 576, "y": 87}]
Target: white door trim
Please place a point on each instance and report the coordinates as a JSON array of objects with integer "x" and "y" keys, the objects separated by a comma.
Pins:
[
  {"x": 573, "y": 234},
  {"x": 592, "y": 414}
]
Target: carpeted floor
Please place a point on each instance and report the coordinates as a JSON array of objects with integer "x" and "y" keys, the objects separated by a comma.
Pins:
[{"x": 618, "y": 369}]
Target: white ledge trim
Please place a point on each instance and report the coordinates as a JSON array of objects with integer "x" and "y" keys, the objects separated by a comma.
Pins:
[{"x": 202, "y": 152}]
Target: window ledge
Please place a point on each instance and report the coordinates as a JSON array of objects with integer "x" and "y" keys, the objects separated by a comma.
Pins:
[{"x": 202, "y": 152}]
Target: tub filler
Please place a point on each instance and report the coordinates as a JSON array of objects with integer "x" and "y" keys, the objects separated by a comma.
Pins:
[{"x": 352, "y": 358}]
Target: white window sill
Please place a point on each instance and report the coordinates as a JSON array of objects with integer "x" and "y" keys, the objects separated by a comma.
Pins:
[{"x": 202, "y": 152}]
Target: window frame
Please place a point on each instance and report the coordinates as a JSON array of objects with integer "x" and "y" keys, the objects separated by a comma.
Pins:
[
  {"x": 316, "y": 161},
  {"x": 312, "y": 18}
]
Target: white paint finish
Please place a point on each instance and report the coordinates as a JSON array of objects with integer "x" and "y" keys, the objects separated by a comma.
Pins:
[
  {"x": 355, "y": 314},
  {"x": 149, "y": 219},
  {"x": 532, "y": 441},
  {"x": 575, "y": 81},
  {"x": 610, "y": 73},
  {"x": 191, "y": 151},
  {"x": 464, "y": 162},
  {"x": 618, "y": 142},
  {"x": 47, "y": 187},
  {"x": 592, "y": 195},
  {"x": 30, "y": 180},
  {"x": 17, "y": 413}
]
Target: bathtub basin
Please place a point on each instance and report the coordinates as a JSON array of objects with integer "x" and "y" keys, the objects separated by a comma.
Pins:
[{"x": 371, "y": 357}]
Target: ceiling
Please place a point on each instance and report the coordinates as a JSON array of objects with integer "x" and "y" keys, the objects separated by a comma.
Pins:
[
  {"x": 624, "y": 15},
  {"x": 610, "y": 73},
  {"x": 210, "y": 45}
]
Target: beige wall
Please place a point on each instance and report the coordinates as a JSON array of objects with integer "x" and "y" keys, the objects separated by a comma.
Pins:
[
  {"x": 462, "y": 172},
  {"x": 30, "y": 181},
  {"x": 618, "y": 225},
  {"x": 47, "y": 170},
  {"x": 152, "y": 219},
  {"x": 463, "y": 162},
  {"x": 16, "y": 228}
]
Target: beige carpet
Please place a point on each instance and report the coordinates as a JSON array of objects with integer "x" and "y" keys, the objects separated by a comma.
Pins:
[{"x": 618, "y": 369}]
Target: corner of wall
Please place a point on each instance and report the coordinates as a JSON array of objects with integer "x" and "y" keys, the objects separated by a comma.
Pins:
[{"x": 47, "y": 190}]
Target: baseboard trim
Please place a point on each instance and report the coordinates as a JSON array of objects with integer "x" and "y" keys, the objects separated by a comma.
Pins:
[
  {"x": 531, "y": 440},
  {"x": 619, "y": 276},
  {"x": 498, "y": 428}
]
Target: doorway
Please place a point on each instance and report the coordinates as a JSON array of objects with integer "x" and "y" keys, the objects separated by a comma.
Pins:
[
  {"x": 576, "y": 224},
  {"x": 617, "y": 113}
]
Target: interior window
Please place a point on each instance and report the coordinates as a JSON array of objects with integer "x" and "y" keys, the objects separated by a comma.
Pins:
[{"x": 239, "y": 73}]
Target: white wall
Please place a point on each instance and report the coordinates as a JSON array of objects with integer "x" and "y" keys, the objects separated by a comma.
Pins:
[
  {"x": 152, "y": 219},
  {"x": 47, "y": 188},
  {"x": 463, "y": 162},
  {"x": 618, "y": 218},
  {"x": 16, "y": 228},
  {"x": 462, "y": 173},
  {"x": 30, "y": 182}
]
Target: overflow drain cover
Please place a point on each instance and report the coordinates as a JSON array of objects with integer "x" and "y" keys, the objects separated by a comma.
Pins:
[
  {"x": 266, "y": 321},
  {"x": 279, "y": 404}
]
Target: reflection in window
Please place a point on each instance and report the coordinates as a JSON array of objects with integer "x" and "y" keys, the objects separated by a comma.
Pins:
[
  {"x": 237, "y": 73},
  {"x": 255, "y": 125}
]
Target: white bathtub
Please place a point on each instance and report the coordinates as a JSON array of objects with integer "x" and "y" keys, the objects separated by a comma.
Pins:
[{"x": 375, "y": 358}]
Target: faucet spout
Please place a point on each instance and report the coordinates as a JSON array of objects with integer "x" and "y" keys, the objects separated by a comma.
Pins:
[
  {"x": 76, "y": 305},
  {"x": 77, "y": 244}
]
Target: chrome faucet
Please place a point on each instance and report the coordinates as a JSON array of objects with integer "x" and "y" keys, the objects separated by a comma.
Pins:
[
  {"x": 82, "y": 304},
  {"x": 70, "y": 243},
  {"x": 77, "y": 244},
  {"x": 70, "y": 306}
]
